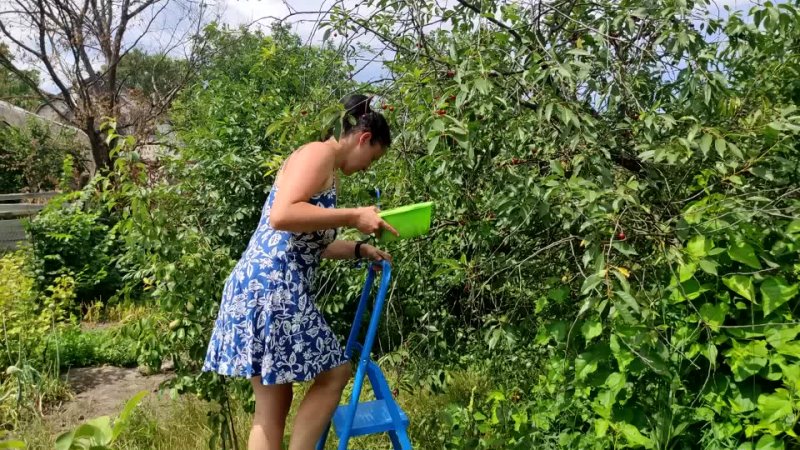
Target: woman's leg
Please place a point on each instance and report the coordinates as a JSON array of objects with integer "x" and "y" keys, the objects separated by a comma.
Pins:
[
  {"x": 317, "y": 407},
  {"x": 272, "y": 406}
]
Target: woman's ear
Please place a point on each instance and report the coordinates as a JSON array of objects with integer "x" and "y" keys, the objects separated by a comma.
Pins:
[{"x": 364, "y": 138}]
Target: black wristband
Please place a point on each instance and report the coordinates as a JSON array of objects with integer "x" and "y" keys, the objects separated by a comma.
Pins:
[{"x": 358, "y": 249}]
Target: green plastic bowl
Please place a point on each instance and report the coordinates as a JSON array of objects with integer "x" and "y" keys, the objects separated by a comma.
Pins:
[{"x": 410, "y": 221}]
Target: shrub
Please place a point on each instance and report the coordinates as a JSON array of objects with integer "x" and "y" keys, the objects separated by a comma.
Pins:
[
  {"x": 74, "y": 236},
  {"x": 32, "y": 157}
]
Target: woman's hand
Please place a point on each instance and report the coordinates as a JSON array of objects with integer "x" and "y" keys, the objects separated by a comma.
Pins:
[
  {"x": 374, "y": 254},
  {"x": 368, "y": 221}
]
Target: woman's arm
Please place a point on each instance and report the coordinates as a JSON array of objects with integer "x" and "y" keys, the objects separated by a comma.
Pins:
[
  {"x": 346, "y": 250},
  {"x": 303, "y": 176},
  {"x": 340, "y": 250}
]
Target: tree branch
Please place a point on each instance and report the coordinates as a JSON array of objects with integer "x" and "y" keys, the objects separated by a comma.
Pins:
[{"x": 476, "y": 9}]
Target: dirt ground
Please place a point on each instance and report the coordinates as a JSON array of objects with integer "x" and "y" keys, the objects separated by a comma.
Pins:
[{"x": 102, "y": 391}]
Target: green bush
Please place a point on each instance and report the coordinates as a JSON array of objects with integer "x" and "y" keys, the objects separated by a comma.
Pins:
[
  {"x": 32, "y": 157},
  {"x": 84, "y": 348},
  {"x": 74, "y": 236},
  {"x": 29, "y": 320}
]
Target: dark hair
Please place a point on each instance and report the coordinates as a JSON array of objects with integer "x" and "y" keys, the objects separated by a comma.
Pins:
[{"x": 360, "y": 117}]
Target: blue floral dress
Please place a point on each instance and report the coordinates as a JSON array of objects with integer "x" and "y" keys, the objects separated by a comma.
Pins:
[{"x": 268, "y": 323}]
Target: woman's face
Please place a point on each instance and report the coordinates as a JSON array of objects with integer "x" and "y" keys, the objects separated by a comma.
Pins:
[{"x": 363, "y": 154}]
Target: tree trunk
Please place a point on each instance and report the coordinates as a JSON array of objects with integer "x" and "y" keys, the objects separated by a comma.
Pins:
[{"x": 100, "y": 150}]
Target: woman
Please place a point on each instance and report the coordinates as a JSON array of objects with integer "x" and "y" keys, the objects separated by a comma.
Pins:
[{"x": 268, "y": 328}]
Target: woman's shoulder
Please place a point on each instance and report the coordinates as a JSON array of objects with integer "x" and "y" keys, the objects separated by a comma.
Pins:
[{"x": 315, "y": 148}]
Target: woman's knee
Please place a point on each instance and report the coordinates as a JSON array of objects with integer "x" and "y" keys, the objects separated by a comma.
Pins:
[
  {"x": 272, "y": 400},
  {"x": 337, "y": 377}
]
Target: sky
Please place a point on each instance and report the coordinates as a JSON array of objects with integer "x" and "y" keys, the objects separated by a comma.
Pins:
[{"x": 173, "y": 23}]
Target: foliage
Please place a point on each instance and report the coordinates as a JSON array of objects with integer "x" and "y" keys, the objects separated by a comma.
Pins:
[
  {"x": 151, "y": 75},
  {"x": 249, "y": 82},
  {"x": 181, "y": 228},
  {"x": 74, "y": 235},
  {"x": 30, "y": 323},
  {"x": 616, "y": 237},
  {"x": 33, "y": 156},
  {"x": 630, "y": 186},
  {"x": 94, "y": 347},
  {"x": 28, "y": 316},
  {"x": 99, "y": 433},
  {"x": 14, "y": 89}
]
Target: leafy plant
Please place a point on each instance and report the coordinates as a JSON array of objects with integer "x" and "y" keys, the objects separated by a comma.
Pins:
[
  {"x": 32, "y": 156},
  {"x": 99, "y": 433},
  {"x": 74, "y": 235}
]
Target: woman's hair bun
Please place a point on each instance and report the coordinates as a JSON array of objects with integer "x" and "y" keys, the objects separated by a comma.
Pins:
[{"x": 357, "y": 105}]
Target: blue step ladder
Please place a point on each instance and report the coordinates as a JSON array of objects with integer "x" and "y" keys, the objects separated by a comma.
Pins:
[{"x": 382, "y": 415}]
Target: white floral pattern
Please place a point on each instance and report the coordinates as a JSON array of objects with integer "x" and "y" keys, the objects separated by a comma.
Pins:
[{"x": 268, "y": 323}]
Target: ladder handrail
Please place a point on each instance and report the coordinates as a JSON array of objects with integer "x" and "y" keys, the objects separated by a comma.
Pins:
[{"x": 372, "y": 330}]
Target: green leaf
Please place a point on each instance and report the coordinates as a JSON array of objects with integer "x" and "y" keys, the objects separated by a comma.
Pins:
[
  {"x": 708, "y": 266},
  {"x": 775, "y": 292},
  {"x": 791, "y": 348},
  {"x": 767, "y": 442},
  {"x": 591, "y": 329},
  {"x": 586, "y": 363},
  {"x": 624, "y": 248},
  {"x": 698, "y": 247},
  {"x": 719, "y": 146},
  {"x": 705, "y": 144},
  {"x": 482, "y": 85},
  {"x": 592, "y": 281},
  {"x": 686, "y": 271},
  {"x": 746, "y": 360},
  {"x": 629, "y": 300},
  {"x": 119, "y": 423},
  {"x": 714, "y": 315},
  {"x": 12, "y": 444},
  {"x": 615, "y": 381},
  {"x": 600, "y": 427},
  {"x": 548, "y": 111},
  {"x": 433, "y": 143},
  {"x": 780, "y": 335},
  {"x": 102, "y": 429},
  {"x": 64, "y": 440},
  {"x": 558, "y": 294},
  {"x": 632, "y": 434},
  {"x": 742, "y": 285},
  {"x": 744, "y": 253},
  {"x": 775, "y": 406}
]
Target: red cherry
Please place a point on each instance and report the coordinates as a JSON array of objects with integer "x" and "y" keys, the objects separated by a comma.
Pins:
[
  {"x": 441, "y": 112},
  {"x": 452, "y": 98},
  {"x": 391, "y": 108},
  {"x": 515, "y": 161},
  {"x": 384, "y": 106},
  {"x": 450, "y": 74},
  {"x": 303, "y": 112},
  {"x": 621, "y": 236}
]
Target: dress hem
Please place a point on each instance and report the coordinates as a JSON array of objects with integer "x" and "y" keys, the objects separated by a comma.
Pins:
[{"x": 251, "y": 374}]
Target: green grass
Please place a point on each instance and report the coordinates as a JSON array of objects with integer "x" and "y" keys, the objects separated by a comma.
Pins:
[
  {"x": 93, "y": 347},
  {"x": 183, "y": 423},
  {"x": 163, "y": 423}
]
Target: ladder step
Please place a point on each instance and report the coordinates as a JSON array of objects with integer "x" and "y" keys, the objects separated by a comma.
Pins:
[{"x": 371, "y": 417}]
